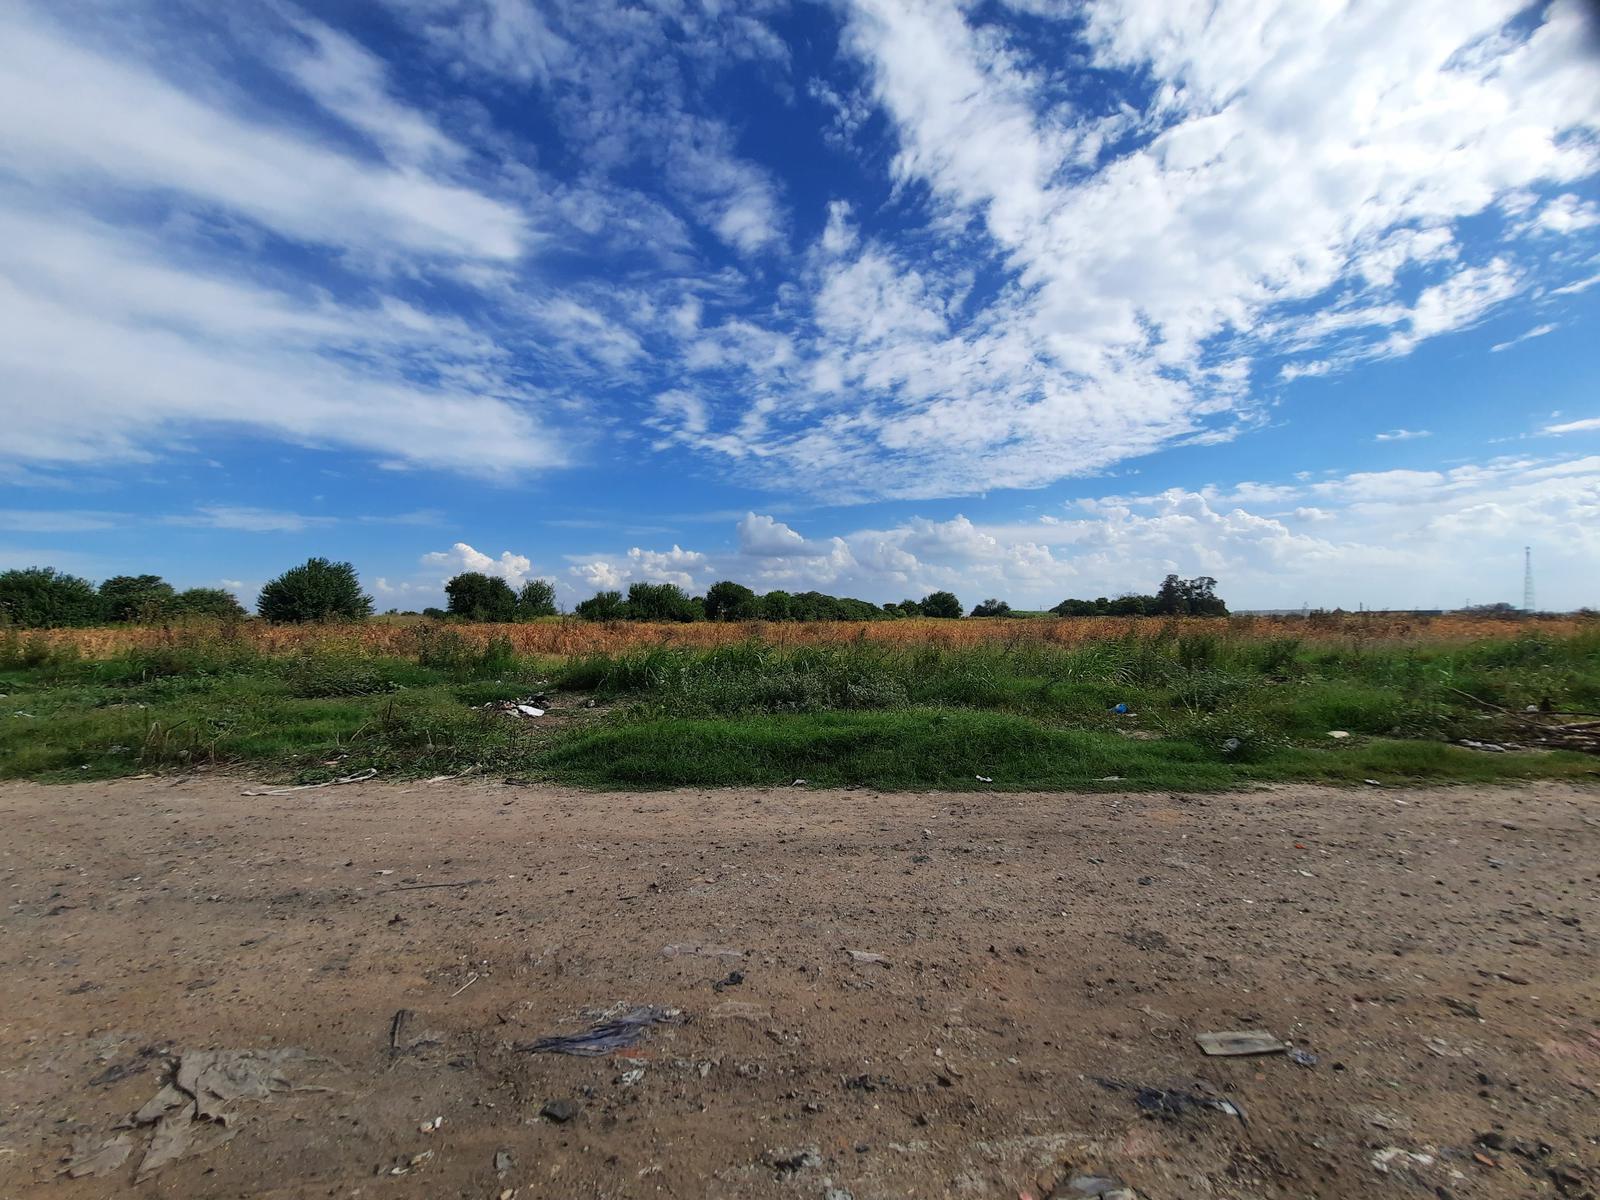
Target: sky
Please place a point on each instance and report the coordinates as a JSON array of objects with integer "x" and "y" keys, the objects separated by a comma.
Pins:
[{"x": 1019, "y": 298}]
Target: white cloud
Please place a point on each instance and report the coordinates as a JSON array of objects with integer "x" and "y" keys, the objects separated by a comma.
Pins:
[
  {"x": 1402, "y": 538},
  {"x": 767, "y": 537},
  {"x": 1567, "y": 214},
  {"x": 1587, "y": 425},
  {"x": 1538, "y": 331},
  {"x": 116, "y": 122},
  {"x": 241, "y": 519},
  {"x": 515, "y": 569},
  {"x": 1402, "y": 435},
  {"x": 21, "y": 520}
]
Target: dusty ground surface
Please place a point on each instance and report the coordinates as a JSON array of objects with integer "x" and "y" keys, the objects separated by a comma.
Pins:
[{"x": 1049, "y": 956}]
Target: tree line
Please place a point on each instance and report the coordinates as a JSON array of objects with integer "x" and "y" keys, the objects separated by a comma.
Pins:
[
  {"x": 320, "y": 590},
  {"x": 1175, "y": 598}
]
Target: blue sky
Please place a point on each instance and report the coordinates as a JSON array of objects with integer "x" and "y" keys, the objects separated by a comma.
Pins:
[{"x": 1018, "y": 298}]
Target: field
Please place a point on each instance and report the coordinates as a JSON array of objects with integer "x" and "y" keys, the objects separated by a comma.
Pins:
[
  {"x": 1007, "y": 704},
  {"x": 1046, "y": 962}
]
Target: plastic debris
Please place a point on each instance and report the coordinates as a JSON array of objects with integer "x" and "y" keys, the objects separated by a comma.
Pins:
[
  {"x": 1171, "y": 1103},
  {"x": 358, "y": 777},
  {"x": 88, "y": 1159},
  {"x": 1489, "y": 747},
  {"x": 1096, "y": 1187},
  {"x": 504, "y": 1160},
  {"x": 1302, "y": 1058},
  {"x": 1234, "y": 1042},
  {"x": 529, "y": 710},
  {"x": 1230, "y": 745},
  {"x": 868, "y": 958},
  {"x": 1120, "y": 709},
  {"x": 1338, "y": 734},
  {"x": 731, "y": 979},
  {"x": 983, "y": 778},
  {"x": 1392, "y": 1155},
  {"x": 604, "y": 1038}
]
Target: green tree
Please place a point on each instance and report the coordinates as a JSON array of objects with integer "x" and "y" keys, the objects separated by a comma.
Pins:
[
  {"x": 660, "y": 602},
  {"x": 317, "y": 590},
  {"x": 44, "y": 598},
  {"x": 991, "y": 608},
  {"x": 940, "y": 604},
  {"x": 136, "y": 598},
  {"x": 729, "y": 601},
  {"x": 475, "y": 596},
  {"x": 777, "y": 606},
  {"x": 536, "y": 599},
  {"x": 602, "y": 606},
  {"x": 208, "y": 602}
]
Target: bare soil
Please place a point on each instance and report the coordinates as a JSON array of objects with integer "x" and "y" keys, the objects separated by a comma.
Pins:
[{"x": 1050, "y": 959}]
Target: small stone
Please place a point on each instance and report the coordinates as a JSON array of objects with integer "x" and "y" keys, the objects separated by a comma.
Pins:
[{"x": 560, "y": 1111}]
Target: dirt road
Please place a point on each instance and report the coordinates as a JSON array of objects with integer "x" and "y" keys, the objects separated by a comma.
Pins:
[{"x": 1049, "y": 960}]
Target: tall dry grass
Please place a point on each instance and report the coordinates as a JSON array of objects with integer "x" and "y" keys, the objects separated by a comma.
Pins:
[{"x": 574, "y": 637}]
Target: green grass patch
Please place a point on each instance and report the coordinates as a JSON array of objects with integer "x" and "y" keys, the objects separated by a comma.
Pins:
[{"x": 1209, "y": 710}]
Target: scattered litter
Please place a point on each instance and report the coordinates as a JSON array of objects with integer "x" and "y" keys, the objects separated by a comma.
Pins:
[
  {"x": 1109, "y": 779},
  {"x": 798, "y": 783},
  {"x": 983, "y": 778},
  {"x": 1302, "y": 1058},
  {"x": 504, "y": 1160},
  {"x": 471, "y": 979},
  {"x": 358, "y": 777},
  {"x": 699, "y": 950},
  {"x": 1338, "y": 734},
  {"x": 616, "y": 1034},
  {"x": 1232, "y": 1043},
  {"x": 1230, "y": 745},
  {"x": 738, "y": 1010},
  {"x": 89, "y": 1159},
  {"x": 787, "y": 1162},
  {"x": 1373, "y": 782},
  {"x": 412, "y": 1163},
  {"x": 190, "y": 1114},
  {"x": 731, "y": 979},
  {"x": 1441, "y": 1048},
  {"x": 1490, "y": 747},
  {"x": 1390, "y": 1155},
  {"x": 560, "y": 1111},
  {"x": 1096, "y": 1187},
  {"x": 431, "y": 1126},
  {"x": 1120, "y": 709},
  {"x": 630, "y": 1077},
  {"x": 1171, "y": 1103},
  {"x": 868, "y": 958}
]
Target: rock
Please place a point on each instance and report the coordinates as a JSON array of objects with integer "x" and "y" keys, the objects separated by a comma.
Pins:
[{"x": 560, "y": 1111}]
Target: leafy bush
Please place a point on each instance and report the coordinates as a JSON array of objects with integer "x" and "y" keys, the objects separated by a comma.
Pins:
[
  {"x": 136, "y": 598},
  {"x": 479, "y": 597},
  {"x": 536, "y": 599},
  {"x": 940, "y": 604},
  {"x": 44, "y": 598},
  {"x": 208, "y": 602},
  {"x": 317, "y": 590}
]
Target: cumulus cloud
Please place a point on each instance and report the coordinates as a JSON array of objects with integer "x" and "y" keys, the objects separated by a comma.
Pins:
[
  {"x": 1402, "y": 538},
  {"x": 515, "y": 569}
]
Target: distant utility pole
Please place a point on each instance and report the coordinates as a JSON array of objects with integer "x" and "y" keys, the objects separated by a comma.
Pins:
[{"x": 1527, "y": 579}]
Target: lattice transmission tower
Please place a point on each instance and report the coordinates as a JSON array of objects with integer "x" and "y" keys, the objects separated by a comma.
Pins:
[{"x": 1527, "y": 579}]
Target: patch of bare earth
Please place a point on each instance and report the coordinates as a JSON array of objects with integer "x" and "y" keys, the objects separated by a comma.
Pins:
[{"x": 1047, "y": 962}]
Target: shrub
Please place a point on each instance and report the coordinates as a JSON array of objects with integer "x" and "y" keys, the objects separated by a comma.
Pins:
[
  {"x": 479, "y": 597},
  {"x": 317, "y": 590},
  {"x": 208, "y": 602},
  {"x": 136, "y": 598},
  {"x": 729, "y": 601},
  {"x": 991, "y": 608},
  {"x": 940, "y": 604},
  {"x": 602, "y": 606},
  {"x": 44, "y": 598},
  {"x": 536, "y": 599},
  {"x": 660, "y": 602}
]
